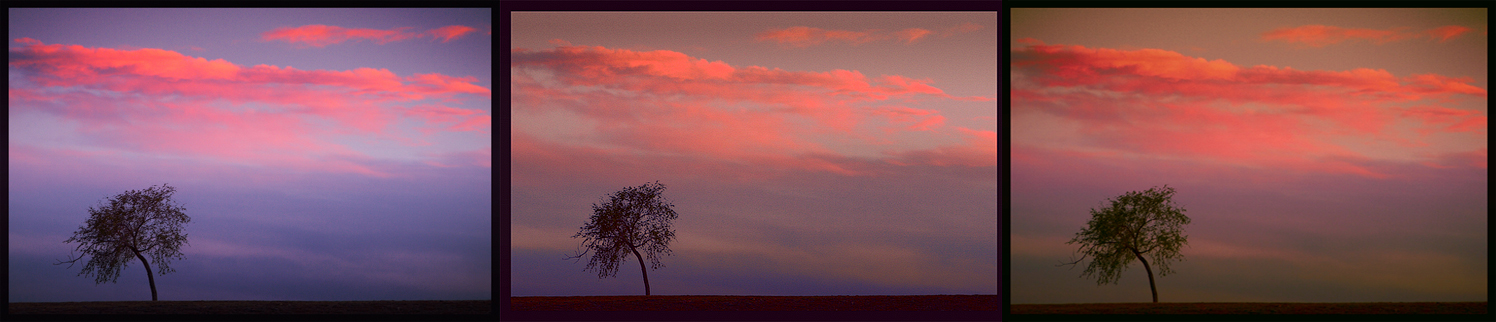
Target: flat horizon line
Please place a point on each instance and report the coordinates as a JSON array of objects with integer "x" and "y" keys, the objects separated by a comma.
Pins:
[
  {"x": 1090, "y": 303},
  {"x": 249, "y": 301},
  {"x": 512, "y": 296}
]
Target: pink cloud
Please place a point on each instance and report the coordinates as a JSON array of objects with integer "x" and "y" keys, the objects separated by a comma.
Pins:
[
  {"x": 82, "y": 62},
  {"x": 923, "y": 120},
  {"x": 1321, "y": 35},
  {"x": 464, "y": 119},
  {"x": 668, "y": 102},
  {"x": 979, "y": 150},
  {"x": 1164, "y": 104},
  {"x": 1458, "y": 120},
  {"x": 801, "y": 36},
  {"x": 438, "y": 83},
  {"x": 912, "y": 34},
  {"x": 161, "y": 101},
  {"x": 323, "y": 35},
  {"x": 963, "y": 28},
  {"x": 449, "y": 32}
]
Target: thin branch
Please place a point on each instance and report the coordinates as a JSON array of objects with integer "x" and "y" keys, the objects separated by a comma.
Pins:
[{"x": 1072, "y": 264}]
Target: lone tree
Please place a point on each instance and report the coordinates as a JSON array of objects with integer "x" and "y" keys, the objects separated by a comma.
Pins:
[
  {"x": 634, "y": 218},
  {"x": 1136, "y": 223},
  {"x": 134, "y": 223}
]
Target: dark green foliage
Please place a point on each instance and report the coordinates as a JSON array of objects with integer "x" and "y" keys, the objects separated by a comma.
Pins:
[{"x": 1135, "y": 224}]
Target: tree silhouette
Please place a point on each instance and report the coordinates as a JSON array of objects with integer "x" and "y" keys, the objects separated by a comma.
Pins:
[
  {"x": 134, "y": 223},
  {"x": 633, "y": 218},
  {"x": 1135, "y": 223}
]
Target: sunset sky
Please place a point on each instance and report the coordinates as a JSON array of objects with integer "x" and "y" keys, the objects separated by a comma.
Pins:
[
  {"x": 322, "y": 154},
  {"x": 806, "y": 153},
  {"x": 1324, "y": 155}
]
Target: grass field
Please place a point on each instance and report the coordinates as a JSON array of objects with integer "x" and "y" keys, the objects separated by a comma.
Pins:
[
  {"x": 758, "y": 303},
  {"x": 255, "y": 307},
  {"x": 1255, "y": 308}
]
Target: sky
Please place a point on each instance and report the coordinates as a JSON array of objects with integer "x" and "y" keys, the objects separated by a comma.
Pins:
[
  {"x": 322, "y": 154},
  {"x": 806, "y": 153},
  {"x": 1323, "y": 155}
]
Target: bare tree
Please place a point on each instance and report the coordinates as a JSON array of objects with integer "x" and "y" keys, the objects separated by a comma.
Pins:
[
  {"x": 1136, "y": 223},
  {"x": 634, "y": 218},
  {"x": 132, "y": 224}
]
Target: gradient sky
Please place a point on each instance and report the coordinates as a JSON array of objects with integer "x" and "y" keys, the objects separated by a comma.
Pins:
[
  {"x": 323, "y": 154},
  {"x": 806, "y": 153},
  {"x": 1324, "y": 155}
]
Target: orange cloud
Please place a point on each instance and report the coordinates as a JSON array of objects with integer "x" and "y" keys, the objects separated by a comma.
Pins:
[
  {"x": 806, "y": 36},
  {"x": 1321, "y": 35},
  {"x": 670, "y": 103},
  {"x": 323, "y": 35},
  {"x": 177, "y": 104},
  {"x": 1151, "y": 102}
]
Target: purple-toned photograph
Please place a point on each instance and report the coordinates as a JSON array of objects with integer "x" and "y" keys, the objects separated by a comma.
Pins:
[{"x": 250, "y": 155}]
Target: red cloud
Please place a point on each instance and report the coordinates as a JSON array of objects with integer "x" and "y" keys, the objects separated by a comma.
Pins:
[
  {"x": 177, "y": 104},
  {"x": 323, "y": 35},
  {"x": 668, "y": 102},
  {"x": 807, "y": 36},
  {"x": 1321, "y": 35},
  {"x": 1446, "y": 32},
  {"x": 1162, "y": 103}
]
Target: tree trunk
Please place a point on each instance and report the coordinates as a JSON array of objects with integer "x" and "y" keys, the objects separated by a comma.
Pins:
[
  {"x": 1150, "y": 275},
  {"x": 636, "y": 255},
  {"x": 148, "y": 275}
]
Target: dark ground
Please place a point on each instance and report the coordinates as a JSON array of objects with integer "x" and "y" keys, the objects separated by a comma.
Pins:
[
  {"x": 758, "y": 303},
  {"x": 255, "y": 307},
  {"x": 1255, "y": 308}
]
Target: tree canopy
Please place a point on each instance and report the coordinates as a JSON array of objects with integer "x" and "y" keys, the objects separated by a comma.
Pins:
[
  {"x": 632, "y": 219},
  {"x": 1135, "y": 224},
  {"x": 133, "y": 224}
]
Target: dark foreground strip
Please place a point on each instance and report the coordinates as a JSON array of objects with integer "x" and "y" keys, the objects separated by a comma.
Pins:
[
  {"x": 256, "y": 307},
  {"x": 758, "y": 303},
  {"x": 1255, "y": 308}
]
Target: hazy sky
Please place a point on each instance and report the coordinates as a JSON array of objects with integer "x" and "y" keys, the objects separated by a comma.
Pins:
[
  {"x": 806, "y": 153},
  {"x": 1324, "y": 155},
  {"x": 323, "y": 154}
]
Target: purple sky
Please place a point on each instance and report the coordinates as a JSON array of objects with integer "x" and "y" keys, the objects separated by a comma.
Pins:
[
  {"x": 806, "y": 153},
  {"x": 323, "y": 154},
  {"x": 1324, "y": 155}
]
